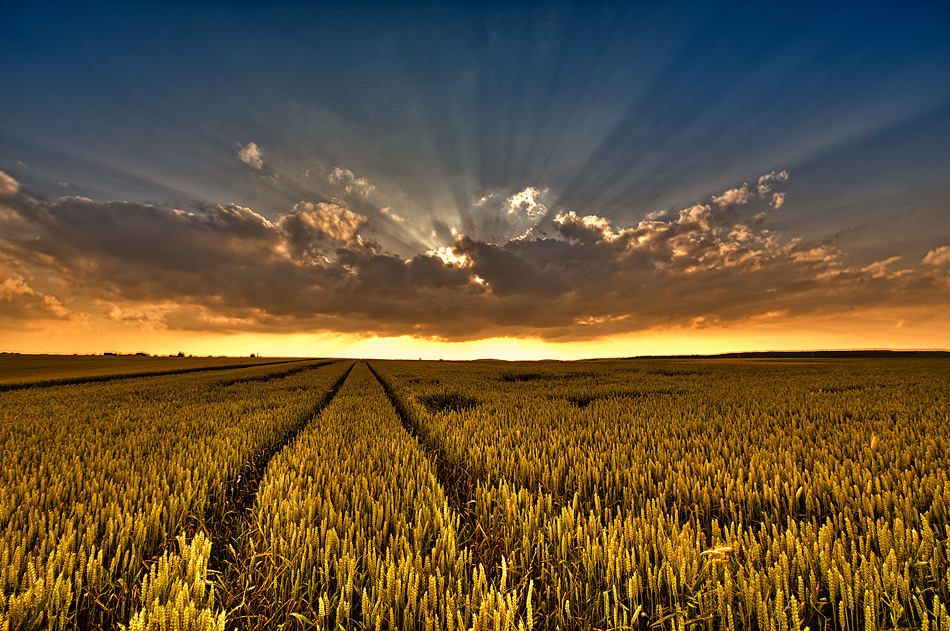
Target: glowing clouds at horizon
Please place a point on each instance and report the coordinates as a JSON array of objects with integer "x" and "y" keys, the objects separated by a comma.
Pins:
[
  {"x": 892, "y": 328},
  {"x": 554, "y": 276}
]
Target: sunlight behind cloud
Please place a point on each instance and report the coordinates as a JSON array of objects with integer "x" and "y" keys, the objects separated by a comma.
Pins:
[
  {"x": 510, "y": 172},
  {"x": 228, "y": 269}
]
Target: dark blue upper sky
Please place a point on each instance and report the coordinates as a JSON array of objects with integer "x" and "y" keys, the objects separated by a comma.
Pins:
[{"x": 619, "y": 110}]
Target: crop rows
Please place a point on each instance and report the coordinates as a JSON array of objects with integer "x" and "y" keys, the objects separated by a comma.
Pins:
[
  {"x": 732, "y": 497},
  {"x": 99, "y": 480},
  {"x": 411, "y": 495},
  {"x": 352, "y": 530},
  {"x": 18, "y": 376}
]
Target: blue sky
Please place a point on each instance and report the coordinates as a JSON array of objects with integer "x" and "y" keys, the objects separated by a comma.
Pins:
[{"x": 425, "y": 119}]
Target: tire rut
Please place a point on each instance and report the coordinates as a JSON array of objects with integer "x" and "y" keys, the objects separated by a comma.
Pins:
[
  {"x": 243, "y": 493},
  {"x": 272, "y": 376},
  {"x": 459, "y": 487}
]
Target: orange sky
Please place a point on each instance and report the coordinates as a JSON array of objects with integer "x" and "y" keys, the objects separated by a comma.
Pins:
[
  {"x": 614, "y": 183},
  {"x": 881, "y": 328}
]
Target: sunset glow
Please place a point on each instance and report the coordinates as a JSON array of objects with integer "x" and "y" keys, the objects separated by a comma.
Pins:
[{"x": 537, "y": 182}]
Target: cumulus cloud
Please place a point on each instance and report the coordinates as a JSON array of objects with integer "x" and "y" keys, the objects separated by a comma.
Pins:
[
  {"x": 498, "y": 217},
  {"x": 318, "y": 224},
  {"x": 527, "y": 203},
  {"x": 229, "y": 268},
  {"x": 347, "y": 180},
  {"x": 938, "y": 256},
  {"x": 768, "y": 181},
  {"x": 252, "y": 156},
  {"x": 749, "y": 192},
  {"x": 449, "y": 256},
  {"x": 735, "y": 196},
  {"x": 589, "y": 228}
]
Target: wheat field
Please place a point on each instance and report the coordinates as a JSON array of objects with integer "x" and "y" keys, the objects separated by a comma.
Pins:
[{"x": 342, "y": 494}]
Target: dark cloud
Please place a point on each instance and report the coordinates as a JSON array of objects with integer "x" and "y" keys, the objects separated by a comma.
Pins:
[{"x": 227, "y": 268}]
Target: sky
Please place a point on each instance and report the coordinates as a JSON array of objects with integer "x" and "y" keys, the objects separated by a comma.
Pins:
[{"x": 466, "y": 180}]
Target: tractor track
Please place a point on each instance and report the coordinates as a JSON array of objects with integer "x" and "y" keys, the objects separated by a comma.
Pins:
[
  {"x": 458, "y": 485},
  {"x": 243, "y": 493}
]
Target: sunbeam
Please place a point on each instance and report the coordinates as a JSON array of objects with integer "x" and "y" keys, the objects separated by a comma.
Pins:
[{"x": 561, "y": 175}]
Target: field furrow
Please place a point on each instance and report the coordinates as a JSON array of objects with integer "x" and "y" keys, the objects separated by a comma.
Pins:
[
  {"x": 243, "y": 491},
  {"x": 733, "y": 496},
  {"x": 586, "y": 496},
  {"x": 102, "y": 478},
  {"x": 455, "y": 485},
  {"x": 353, "y": 530}
]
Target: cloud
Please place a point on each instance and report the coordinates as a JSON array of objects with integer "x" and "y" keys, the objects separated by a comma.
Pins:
[
  {"x": 768, "y": 181},
  {"x": 748, "y": 192},
  {"x": 589, "y": 228},
  {"x": 527, "y": 203},
  {"x": 389, "y": 212},
  {"x": 735, "y": 196},
  {"x": 226, "y": 267},
  {"x": 19, "y": 301},
  {"x": 8, "y": 185},
  {"x": 497, "y": 217},
  {"x": 449, "y": 256},
  {"x": 320, "y": 224},
  {"x": 938, "y": 256},
  {"x": 347, "y": 180},
  {"x": 881, "y": 269},
  {"x": 252, "y": 156}
]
